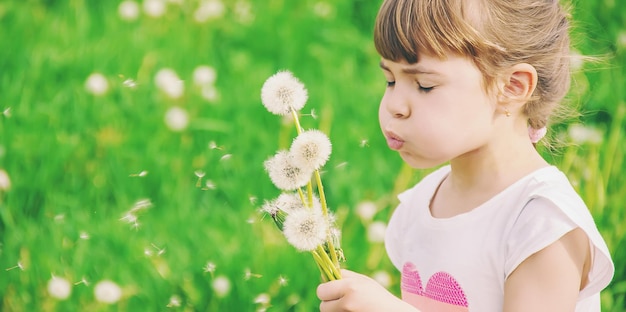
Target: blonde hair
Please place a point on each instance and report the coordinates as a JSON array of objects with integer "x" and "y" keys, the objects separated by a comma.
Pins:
[{"x": 494, "y": 34}]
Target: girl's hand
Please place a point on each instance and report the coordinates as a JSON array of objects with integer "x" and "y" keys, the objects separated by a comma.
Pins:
[{"x": 357, "y": 292}]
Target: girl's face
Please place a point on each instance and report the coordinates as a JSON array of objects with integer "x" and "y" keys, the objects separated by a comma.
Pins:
[{"x": 435, "y": 110}]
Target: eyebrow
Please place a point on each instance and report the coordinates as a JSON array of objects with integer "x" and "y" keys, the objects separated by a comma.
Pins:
[{"x": 411, "y": 69}]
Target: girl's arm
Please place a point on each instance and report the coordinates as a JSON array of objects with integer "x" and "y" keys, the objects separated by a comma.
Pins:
[
  {"x": 356, "y": 292},
  {"x": 550, "y": 279}
]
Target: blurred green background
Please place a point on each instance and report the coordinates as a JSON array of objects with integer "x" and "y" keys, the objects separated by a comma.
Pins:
[{"x": 111, "y": 168}]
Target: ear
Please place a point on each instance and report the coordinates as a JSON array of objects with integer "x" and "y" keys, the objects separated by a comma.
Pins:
[{"x": 520, "y": 83}]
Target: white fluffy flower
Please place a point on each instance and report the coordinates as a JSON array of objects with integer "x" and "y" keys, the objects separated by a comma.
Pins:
[
  {"x": 5, "y": 182},
  {"x": 209, "y": 9},
  {"x": 107, "y": 292},
  {"x": 366, "y": 210},
  {"x": 286, "y": 202},
  {"x": 128, "y": 10},
  {"x": 204, "y": 75},
  {"x": 305, "y": 229},
  {"x": 154, "y": 8},
  {"x": 311, "y": 149},
  {"x": 59, "y": 288},
  {"x": 221, "y": 286},
  {"x": 376, "y": 232},
  {"x": 168, "y": 81},
  {"x": 97, "y": 84},
  {"x": 283, "y": 92},
  {"x": 176, "y": 118},
  {"x": 581, "y": 134},
  {"x": 286, "y": 174}
]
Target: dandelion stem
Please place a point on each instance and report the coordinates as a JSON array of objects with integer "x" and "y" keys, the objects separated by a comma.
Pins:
[
  {"x": 296, "y": 120},
  {"x": 322, "y": 265},
  {"x": 320, "y": 189}
]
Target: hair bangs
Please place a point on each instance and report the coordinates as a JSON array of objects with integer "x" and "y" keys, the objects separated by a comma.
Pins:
[{"x": 405, "y": 28}]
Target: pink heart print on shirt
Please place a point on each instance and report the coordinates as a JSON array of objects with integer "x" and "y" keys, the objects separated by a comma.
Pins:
[{"x": 442, "y": 293}]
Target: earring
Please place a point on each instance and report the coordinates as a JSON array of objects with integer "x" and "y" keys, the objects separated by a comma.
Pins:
[{"x": 506, "y": 112}]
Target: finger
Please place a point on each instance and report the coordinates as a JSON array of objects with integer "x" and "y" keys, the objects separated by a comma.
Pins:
[
  {"x": 330, "y": 290},
  {"x": 349, "y": 274},
  {"x": 329, "y": 306}
]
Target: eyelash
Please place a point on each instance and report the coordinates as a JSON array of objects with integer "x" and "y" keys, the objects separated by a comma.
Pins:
[{"x": 423, "y": 89}]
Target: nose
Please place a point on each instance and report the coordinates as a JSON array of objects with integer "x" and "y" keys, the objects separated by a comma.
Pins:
[{"x": 396, "y": 104}]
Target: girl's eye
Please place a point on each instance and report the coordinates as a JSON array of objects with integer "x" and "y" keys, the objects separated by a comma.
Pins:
[
  {"x": 391, "y": 84},
  {"x": 425, "y": 89}
]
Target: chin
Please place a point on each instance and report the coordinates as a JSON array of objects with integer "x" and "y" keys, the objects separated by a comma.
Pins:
[{"x": 420, "y": 162}]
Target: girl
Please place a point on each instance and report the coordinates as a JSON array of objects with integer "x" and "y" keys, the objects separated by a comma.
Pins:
[{"x": 473, "y": 83}]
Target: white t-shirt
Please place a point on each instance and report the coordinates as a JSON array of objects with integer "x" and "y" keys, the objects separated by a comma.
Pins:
[{"x": 461, "y": 263}]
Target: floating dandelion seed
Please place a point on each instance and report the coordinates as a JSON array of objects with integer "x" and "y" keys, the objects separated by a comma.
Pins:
[
  {"x": 209, "y": 267},
  {"x": 252, "y": 199},
  {"x": 174, "y": 301},
  {"x": 311, "y": 149},
  {"x": 200, "y": 174},
  {"x": 148, "y": 252},
  {"x": 84, "y": 235},
  {"x": 226, "y": 157},
  {"x": 263, "y": 299},
  {"x": 160, "y": 251},
  {"x": 204, "y": 75},
  {"x": 107, "y": 292},
  {"x": 282, "y": 93},
  {"x": 141, "y": 174},
  {"x": 59, "y": 218},
  {"x": 282, "y": 281},
  {"x": 83, "y": 281},
  {"x": 313, "y": 114},
  {"x": 221, "y": 286},
  {"x": 209, "y": 185},
  {"x": 59, "y": 288},
  {"x": 341, "y": 165},
  {"x": 97, "y": 84},
  {"x": 213, "y": 145},
  {"x": 18, "y": 266},
  {"x": 364, "y": 143},
  {"x": 305, "y": 229},
  {"x": 248, "y": 275},
  {"x": 129, "y": 83},
  {"x": 285, "y": 174},
  {"x": 7, "y": 112},
  {"x": 581, "y": 134},
  {"x": 128, "y": 10},
  {"x": 176, "y": 119}
]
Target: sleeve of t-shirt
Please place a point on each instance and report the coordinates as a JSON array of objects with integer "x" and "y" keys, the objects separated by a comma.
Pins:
[{"x": 540, "y": 224}]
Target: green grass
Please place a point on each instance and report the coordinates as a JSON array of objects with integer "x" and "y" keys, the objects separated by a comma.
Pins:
[{"x": 73, "y": 158}]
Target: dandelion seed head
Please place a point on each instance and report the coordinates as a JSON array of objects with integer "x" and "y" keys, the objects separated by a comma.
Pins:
[
  {"x": 581, "y": 134},
  {"x": 154, "y": 8},
  {"x": 366, "y": 210},
  {"x": 221, "y": 286},
  {"x": 107, "y": 292},
  {"x": 209, "y": 9},
  {"x": 289, "y": 202},
  {"x": 376, "y": 232},
  {"x": 243, "y": 12},
  {"x": 285, "y": 174},
  {"x": 204, "y": 75},
  {"x": 97, "y": 84},
  {"x": 305, "y": 229},
  {"x": 167, "y": 80},
  {"x": 311, "y": 149},
  {"x": 128, "y": 10},
  {"x": 59, "y": 288},
  {"x": 176, "y": 119},
  {"x": 283, "y": 92},
  {"x": 5, "y": 181}
]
